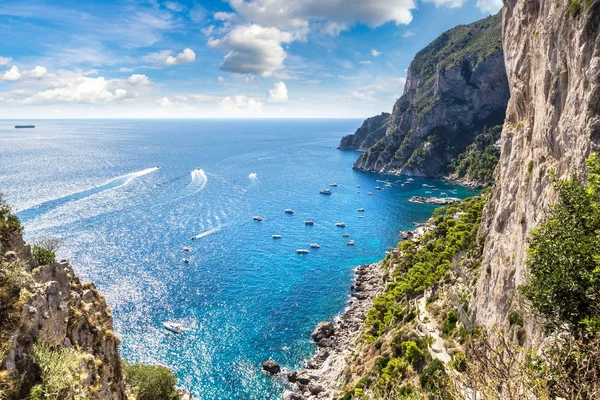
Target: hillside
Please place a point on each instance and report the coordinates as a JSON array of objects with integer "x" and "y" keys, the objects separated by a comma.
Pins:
[{"x": 455, "y": 88}]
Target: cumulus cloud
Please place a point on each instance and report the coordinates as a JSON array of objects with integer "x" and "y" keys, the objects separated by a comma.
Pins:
[
  {"x": 185, "y": 57},
  {"x": 278, "y": 94},
  {"x": 165, "y": 102},
  {"x": 174, "y": 6},
  {"x": 489, "y": 6},
  {"x": 361, "y": 96},
  {"x": 252, "y": 49},
  {"x": 375, "y": 53},
  {"x": 37, "y": 72},
  {"x": 220, "y": 79},
  {"x": 138, "y": 79},
  {"x": 5, "y": 60},
  {"x": 157, "y": 57},
  {"x": 380, "y": 88},
  {"x": 449, "y": 3},
  {"x": 80, "y": 89},
  {"x": 240, "y": 104},
  {"x": 367, "y": 62},
  {"x": 13, "y": 74},
  {"x": 223, "y": 16}
]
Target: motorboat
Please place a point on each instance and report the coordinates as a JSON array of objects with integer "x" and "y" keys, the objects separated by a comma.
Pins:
[
  {"x": 186, "y": 260},
  {"x": 289, "y": 211},
  {"x": 186, "y": 249},
  {"x": 340, "y": 224},
  {"x": 315, "y": 246},
  {"x": 357, "y": 186},
  {"x": 345, "y": 235},
  {"x": 325, "y": 191},
  {"x": 361, "y": 216},
  {"x": 351, "y": 243},
  {"x": 302, "y": 251},
  {"x": 370, "y": 193},
  {"x": 361, "y": 210},
  {"x": 377, "y": 188},
  {"x": 388, "y": 185},
  {"x": 410, "y": 179},
  {"x": 309, "y": 222},
  {"x": 334, "y": 185},
  {"x": 174, "y": 327},
  {"x": 276, "y": 236},
  {"x": 257, "y": 218}
]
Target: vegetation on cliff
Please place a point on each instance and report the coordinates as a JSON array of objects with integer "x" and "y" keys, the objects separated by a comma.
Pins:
[{"x": 478, "y": 162}]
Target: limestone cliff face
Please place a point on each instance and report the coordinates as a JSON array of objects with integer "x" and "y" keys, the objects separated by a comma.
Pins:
[
  {"x": 455, "y": 87},
  {"x": 371, "y": 131},
  {"x": 56, "y": 309},
  {"x": 552, "y": 59}
]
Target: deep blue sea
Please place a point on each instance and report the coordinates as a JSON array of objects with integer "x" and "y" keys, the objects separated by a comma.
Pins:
[{"x": 244, "y": 296}]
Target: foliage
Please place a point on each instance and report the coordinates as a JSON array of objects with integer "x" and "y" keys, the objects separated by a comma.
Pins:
[
  {"x": 60, "y": 372},
  {"x": 9, "y": 223},
  {"x": 575, "y": 8},
  {"x": 564, "y": 257},
  {"x": 419, "y": 268},
  {"x": 43, "y": 256},
  {"x": 434, "y": 379},
  {"x": 151, "y": 382},
  {"x": 479, "y": 160}
]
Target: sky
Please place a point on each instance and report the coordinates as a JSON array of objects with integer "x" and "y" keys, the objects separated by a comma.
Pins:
[{"x": 215, "y": 58}]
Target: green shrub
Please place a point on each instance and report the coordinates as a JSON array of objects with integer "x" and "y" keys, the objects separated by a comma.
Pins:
[
  {"x": 434, "y": 378},
  {"x": 450, "y": 321},
  {"x": 459, "y": 362},
  {"x": 515, "y": 318},
  {"x": 563, "y": 257},
  {"x": 412, "y": 353},
  {"x": 60, "y": 373},
  {"x": 151, "y": 382},
  {"x": 9, "y": 223},
  {"x": 43, "y": 256},
  {"x": 574, "y": 8}
]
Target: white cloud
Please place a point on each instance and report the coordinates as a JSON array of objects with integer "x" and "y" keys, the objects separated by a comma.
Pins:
[
  {"x": 411, "y": 33},
  {"x": 80, "y": 89},
  {"x": 138, "y": 79},
  {"x": 174, "y": 6},
  {"x": 157, "y": 57},
  {"x": 278, "y": 94},
  {"x": 220, "y": 79},
  {"x": 197, "y": 14},
  {"x": 223, "y": 16},
  {"x": 375, "y": 53},
  {"x": 5, "y": 60},
  {"x": 185, "y": 57},
  {"x": 240, "y": 104},
  {"x": 165, "y": 102},
  {"x": 297, "y": 14},
  {"x": 252, "y": 49},
  {"x": 489, "y": 6},
  {"x": 367, "y": 62},
  {"x": 125, "y": 69},
  {"x": 37, "y": 72},
  {"x": 361, "y": 96},
  {"x": 12, "y": 74},
  {"x": 449, "y": 3}
]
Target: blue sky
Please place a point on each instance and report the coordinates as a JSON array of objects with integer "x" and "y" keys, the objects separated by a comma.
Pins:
[{"x": 215, "y": 58}]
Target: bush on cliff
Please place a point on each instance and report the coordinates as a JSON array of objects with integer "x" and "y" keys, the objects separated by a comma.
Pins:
[
  {"x": 43, "y": 256},
  {"x": 151, "y": 382},
  {"x": 9, "y": 223}
]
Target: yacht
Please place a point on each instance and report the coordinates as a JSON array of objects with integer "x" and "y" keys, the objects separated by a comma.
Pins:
[
  {"x": 350, "y": 243},
  {"x": 257, "y": 218},
  {"x": 174, "y": 327},
  {"x": 410, "y": 179},
  {"x": 309, "y": 222},
  {"x": 276, "y": 236},
  {"x": 315, "y": 246},
  {"x": 361, "y": 210},
  {"x": 340, "y": 224},
  {"x": 357, "y": 186},
  {"x": 186, "y": 249},
  {"x": 345, "y": 235},
  {"x": 302, "y": 251},
  {"x": 325, "y": 191},
  {"x": 370, "y": 193},
  {"x": 186, "y": 260},
  {"x": 377, "y": 188},
  {"x": 289, "y": 211},
  {"x": 334, "y": 185}
]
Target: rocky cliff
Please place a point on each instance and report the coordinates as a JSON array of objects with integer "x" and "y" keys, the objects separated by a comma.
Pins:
[
  {"x": 371, "y": 131},
  {"x": 552, "y": 55},
  {"x": 49, "y": 306},
  {"x": 455, "y": 88}
]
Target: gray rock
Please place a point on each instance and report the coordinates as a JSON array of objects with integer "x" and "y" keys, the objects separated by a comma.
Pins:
[
  {"x": 271, "y": 367},
  {"x": 323, "y": 331},
  {"x": 303, "y": 378},
  {"x": 289, "y": 395},
  {"x": 315, "y": 388}
]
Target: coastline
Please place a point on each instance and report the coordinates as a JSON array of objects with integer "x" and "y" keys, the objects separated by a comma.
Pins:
[{"x": 321, "y": 376}]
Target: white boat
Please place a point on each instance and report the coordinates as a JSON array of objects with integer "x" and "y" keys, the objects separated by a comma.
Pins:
[
  {"x": 443, "y": 193},
  {"x": 334, "y": 185},
  {"x": 186, "y": 260},
  {"x": 345, "y": 235},
  {"x": 361, "y": 210},
  {"x": 361, "y": 216},
  {"x": 325, "y": 191},
  {"x": 174, "y": 327},
  {"x": 309, "y": 222},
  {"x": 302, "y": 251},
  {"x": 357, "y": 186},
  {"x": 410, "y": 179},
  {"x": 377, "y": 188},
  {"x": 351, "y": 243},
  {"x": 257, "y": 218},
  {"x": 340, "y": 224},
  {"x": 388, "y": 185},
  {"x": 315, "y": 246},
  {"x": 186, "y": 249},
  {"x": 276, "y": 236},
  {"x": 289, "y": 211},
  {"x": 370, "y": 193}
]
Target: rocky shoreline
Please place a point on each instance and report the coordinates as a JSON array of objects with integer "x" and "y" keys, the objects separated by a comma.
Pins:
[
  {"x": 440, "y": 201},
  {"x": 464, "y": 182},
  {"x": 321, "y": 376}
]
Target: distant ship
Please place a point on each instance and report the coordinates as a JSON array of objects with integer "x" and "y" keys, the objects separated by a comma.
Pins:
[{"x": 24, "y": 126}]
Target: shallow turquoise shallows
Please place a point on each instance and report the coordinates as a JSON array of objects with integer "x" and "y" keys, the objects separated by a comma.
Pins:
[{"x": 244, "y": 296}]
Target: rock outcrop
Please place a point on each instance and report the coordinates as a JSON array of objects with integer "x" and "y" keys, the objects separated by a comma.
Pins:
[
  {"x": 371, "y": 131},
  {"x": 455, "y": 88},
  {"x": 552, "y": 55}
]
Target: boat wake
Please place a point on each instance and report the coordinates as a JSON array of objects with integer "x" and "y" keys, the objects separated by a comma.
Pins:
[
  {"x": 199, "y": 180},
  {"x": 43, "y": 208},
  {"x": 208, "y": 232}
]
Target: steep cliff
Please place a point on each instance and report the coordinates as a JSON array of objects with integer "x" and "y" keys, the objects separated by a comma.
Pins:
[
  {"x": 371, "y": 131},
  {"x": 455, "y": 88},
  {"x": 552, "y": 54}
]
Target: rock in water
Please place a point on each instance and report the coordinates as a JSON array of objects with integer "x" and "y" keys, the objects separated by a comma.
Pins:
[
  {"x": 271, "y": 367},
  {"x": 323, "y": 331},
  {"x": 289, "y": 395}
]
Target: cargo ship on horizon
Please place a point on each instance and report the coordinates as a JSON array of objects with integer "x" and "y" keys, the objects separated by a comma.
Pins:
[{"x": 24, "y": 126}]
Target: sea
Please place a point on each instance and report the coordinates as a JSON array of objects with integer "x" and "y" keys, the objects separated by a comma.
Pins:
[{"x": 126, "y": 197}]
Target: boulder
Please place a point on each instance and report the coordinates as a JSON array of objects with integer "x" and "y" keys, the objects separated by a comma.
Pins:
[
  {"x": 289, "y": 395},
  {"x": 323, "y": 331},
  {"x": 271, "y": 367},
  {"x": 303, "y": 379},
  {"x": 315, "y": 388}
]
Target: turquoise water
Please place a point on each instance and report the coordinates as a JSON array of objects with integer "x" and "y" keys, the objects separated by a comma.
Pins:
[{"x": 244, "y": 296}]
